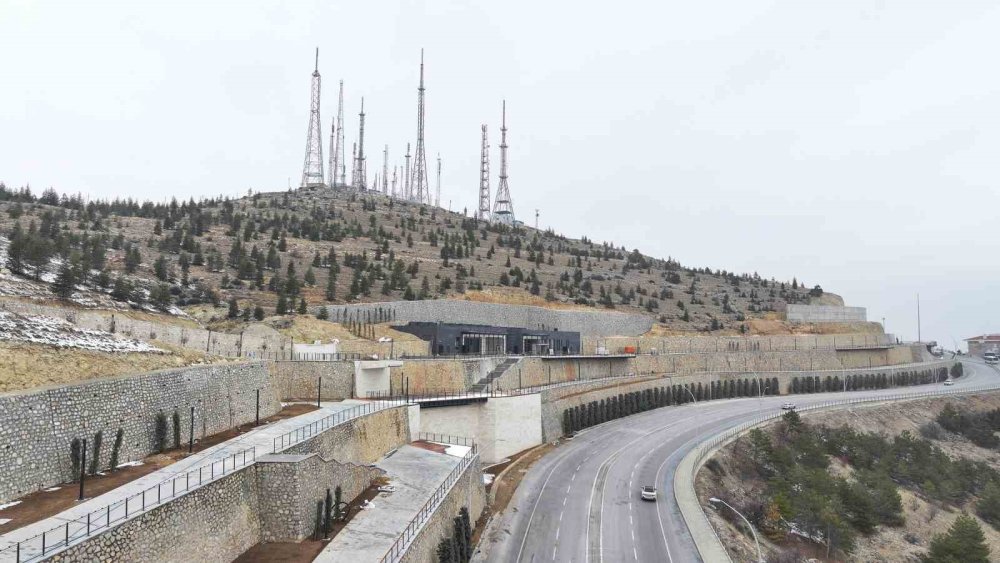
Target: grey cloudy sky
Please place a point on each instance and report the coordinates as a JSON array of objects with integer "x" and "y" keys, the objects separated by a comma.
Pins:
[{"x": 852, "y": 143}]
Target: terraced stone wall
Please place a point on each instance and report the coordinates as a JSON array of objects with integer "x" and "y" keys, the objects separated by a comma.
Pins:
[{"x": 37, "y": 426}]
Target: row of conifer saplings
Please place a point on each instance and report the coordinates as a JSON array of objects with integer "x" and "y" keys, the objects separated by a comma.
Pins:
[{"x": 625, "y": 404}]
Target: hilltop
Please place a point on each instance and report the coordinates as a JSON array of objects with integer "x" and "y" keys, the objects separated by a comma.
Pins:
[{"x": 280, "y": 252}]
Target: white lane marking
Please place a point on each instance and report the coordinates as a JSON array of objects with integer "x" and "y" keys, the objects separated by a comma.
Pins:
[
  {"x": 573, "y": 477},
  {"x": 564, "y": 500},
  {"x": 635, "y": 553},
  {"x": 560, "y": 518},
  {"x": 567, "y": 488},
  {"x": 554, "y": 552}
]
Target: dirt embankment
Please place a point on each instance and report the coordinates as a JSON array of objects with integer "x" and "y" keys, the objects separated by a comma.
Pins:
[{"x": 924, "y": 517}]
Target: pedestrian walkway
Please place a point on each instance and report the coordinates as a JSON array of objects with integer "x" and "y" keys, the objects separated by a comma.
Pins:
[
  {"x": 236, "y": 453},
  {"x": 415, "y": 474}
]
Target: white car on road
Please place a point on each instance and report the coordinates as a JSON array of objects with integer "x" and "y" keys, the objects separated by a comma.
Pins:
[
  {"x": 648, "y": 492},
  {"x": 788, "y": 407}
]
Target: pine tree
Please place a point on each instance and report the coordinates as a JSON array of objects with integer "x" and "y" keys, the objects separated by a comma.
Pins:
[{"x": 963, "y": 542}]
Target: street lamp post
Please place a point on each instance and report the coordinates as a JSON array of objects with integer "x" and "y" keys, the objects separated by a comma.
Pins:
[{"x": 714, "y": 500}]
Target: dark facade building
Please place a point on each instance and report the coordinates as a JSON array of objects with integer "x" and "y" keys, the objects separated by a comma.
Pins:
[{"x": 448, "y": 339}]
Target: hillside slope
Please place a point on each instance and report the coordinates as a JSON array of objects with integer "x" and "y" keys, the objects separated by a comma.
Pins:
[{"x": 277, "y": 250}]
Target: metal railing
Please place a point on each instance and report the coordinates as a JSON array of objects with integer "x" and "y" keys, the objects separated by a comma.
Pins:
[
  {"x": 307, "y": 431},
  {"x": 435, "y": 394},
  {"x": 707, "y": 448},
  {"x": 406, "y": 537},
  {"x": 99, "y": 521},
  {"x": 446, "y": 439}
]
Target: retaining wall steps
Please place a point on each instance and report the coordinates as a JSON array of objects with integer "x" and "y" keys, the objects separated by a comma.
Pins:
[{"x": 497, "y": 372}]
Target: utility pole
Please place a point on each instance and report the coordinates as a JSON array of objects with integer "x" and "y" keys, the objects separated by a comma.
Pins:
[
  {"x": 536, "y": 219},
  {"x": 437, "y": 197},
  {"x": 409, "y": 185},
  {"x": 919, "y": 336}
]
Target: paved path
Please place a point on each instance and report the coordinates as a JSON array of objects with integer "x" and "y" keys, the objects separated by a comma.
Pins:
[
  {"x": 415, "y": 473},
  {"x": 581, "y": 502},
  {"x": 260, "y": 438}
]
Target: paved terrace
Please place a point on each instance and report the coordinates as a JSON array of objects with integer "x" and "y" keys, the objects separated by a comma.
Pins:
[
  {"x": 415, "y": 473},
  {"x": 262, "y": 439}
]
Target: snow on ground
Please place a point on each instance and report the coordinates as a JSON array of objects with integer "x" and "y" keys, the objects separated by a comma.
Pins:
[
  {"x": 129, "y": 464},
  {"x": 488, "y": 478},
  {"x": 63, "y": 334},
  {"x": 10, "y": 504},
  {"x": 4, "y": 521},
  {"x": 452, "y": 449}
]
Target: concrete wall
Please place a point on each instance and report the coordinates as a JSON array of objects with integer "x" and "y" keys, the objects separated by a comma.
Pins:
[
  {"x": 825, "y": 314},
  {"x": 468, "y": 492},
  {"x": 501, "y": 426},
  {"x": 38, "y": 425},
  {"x": 300, "y": 380},
  {"x": 290, "y": 486},
  {"x": 599, "y": 323},
  {"x": 216, "y": 522},
  {"x": 693, "y": 343}
]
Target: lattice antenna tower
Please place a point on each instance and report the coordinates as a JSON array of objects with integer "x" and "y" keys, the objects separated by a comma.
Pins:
[
  {"x": 385, "y": 171},
  {"x": 484, "y": 178},
  {"x": 354, "y": 164},
  {"x": 409, "y": 187},
  {"x": 338, "y": 173},
  {"x": 503, "y": 209},
  {"x": 312, "y": 167},
  {"x": 360, "y": 170},
  {"x": 333, "y": 154},
  {"x": 395, "y": 175},
  {"x": 419, "y": 183},
  {"x": 437, "y": 196}
]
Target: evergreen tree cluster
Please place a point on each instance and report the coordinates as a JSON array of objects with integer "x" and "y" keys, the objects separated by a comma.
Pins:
[
  {"x": 858, "y": 381},
  {"x": 625, "y": 404},
  {"x": 457, "y": 548}
]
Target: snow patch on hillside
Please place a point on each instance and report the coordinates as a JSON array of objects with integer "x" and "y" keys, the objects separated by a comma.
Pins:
[{"x": 63, "y": 334}]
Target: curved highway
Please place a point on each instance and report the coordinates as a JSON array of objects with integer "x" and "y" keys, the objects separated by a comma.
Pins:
[{"x": 581, "y": 502}]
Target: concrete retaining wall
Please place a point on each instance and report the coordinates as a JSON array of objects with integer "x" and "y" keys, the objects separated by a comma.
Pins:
[
  {"x": 501, "y": 426},
  {"x": 468, "y": 492},
  {"x": 597, "y": 323},
  {"x": 665, "y": 344},
  {"x": 442, "y": 374},
  {"x": 38, "y": 426}
]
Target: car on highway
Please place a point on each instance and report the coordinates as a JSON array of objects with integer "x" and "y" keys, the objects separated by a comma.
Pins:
[
  {"x": 648, "y": 492},
  {"x": 991, "y": 357},
  {"x": 788, "y": 407},
  {"x": 949, "y": 382}
]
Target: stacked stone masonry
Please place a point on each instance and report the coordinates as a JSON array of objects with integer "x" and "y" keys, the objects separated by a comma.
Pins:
[
  {"x": 594, "y": 323},
  {"x": 301, "y": 380},
  {"x": 39, "y": 425}
]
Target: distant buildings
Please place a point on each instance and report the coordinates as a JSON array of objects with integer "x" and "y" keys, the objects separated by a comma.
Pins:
[
  {"x": 449, "y": 339},
  {"x": 979, "y": 345}
]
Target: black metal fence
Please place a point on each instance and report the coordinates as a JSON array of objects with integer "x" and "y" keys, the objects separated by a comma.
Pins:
[
  {"x": 307, "y": 431},
  {"x": 60, "y": 537}
]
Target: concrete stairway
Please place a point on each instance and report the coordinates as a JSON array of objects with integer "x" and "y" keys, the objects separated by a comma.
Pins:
[{"x": 486, "y": 382}]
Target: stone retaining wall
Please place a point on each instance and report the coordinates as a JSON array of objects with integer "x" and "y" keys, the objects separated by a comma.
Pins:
[
  {"x": 38, "y": 425},
  {"x": 362, "y": 441},
  {"x": 558, "y": 399},
  {"x": 216, "y": 522},
  {"x": 596, "y": 323},
  {"x": 300, "y": 380},
  {"x": 469, "y": 492},
  {"x": 293, "y": 488},
  {"x": 693, "y": 343},
  {"x": 454, "y": 374}
]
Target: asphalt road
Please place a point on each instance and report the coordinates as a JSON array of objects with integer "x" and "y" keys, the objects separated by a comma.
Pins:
[{"x": 581, "y": 502}]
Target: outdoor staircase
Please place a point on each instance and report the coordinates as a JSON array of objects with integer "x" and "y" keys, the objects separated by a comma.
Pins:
[{"x": 486, "y": 382}]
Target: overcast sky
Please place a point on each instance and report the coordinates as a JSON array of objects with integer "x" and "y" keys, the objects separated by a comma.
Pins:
[{"x": 853, "y": 144}]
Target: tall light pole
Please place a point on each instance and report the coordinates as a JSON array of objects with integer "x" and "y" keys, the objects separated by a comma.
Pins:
[{"x": 760, "y": 558}]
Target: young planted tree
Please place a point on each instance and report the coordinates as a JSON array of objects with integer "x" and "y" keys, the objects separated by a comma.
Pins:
[
  {"x": 95, "y": 460},
  {"x": 75, "y": 455},
  {"x": 160, "y": 432},
  {"x": 116, "y": 449},
  {"x": 177, "y": 428}
]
